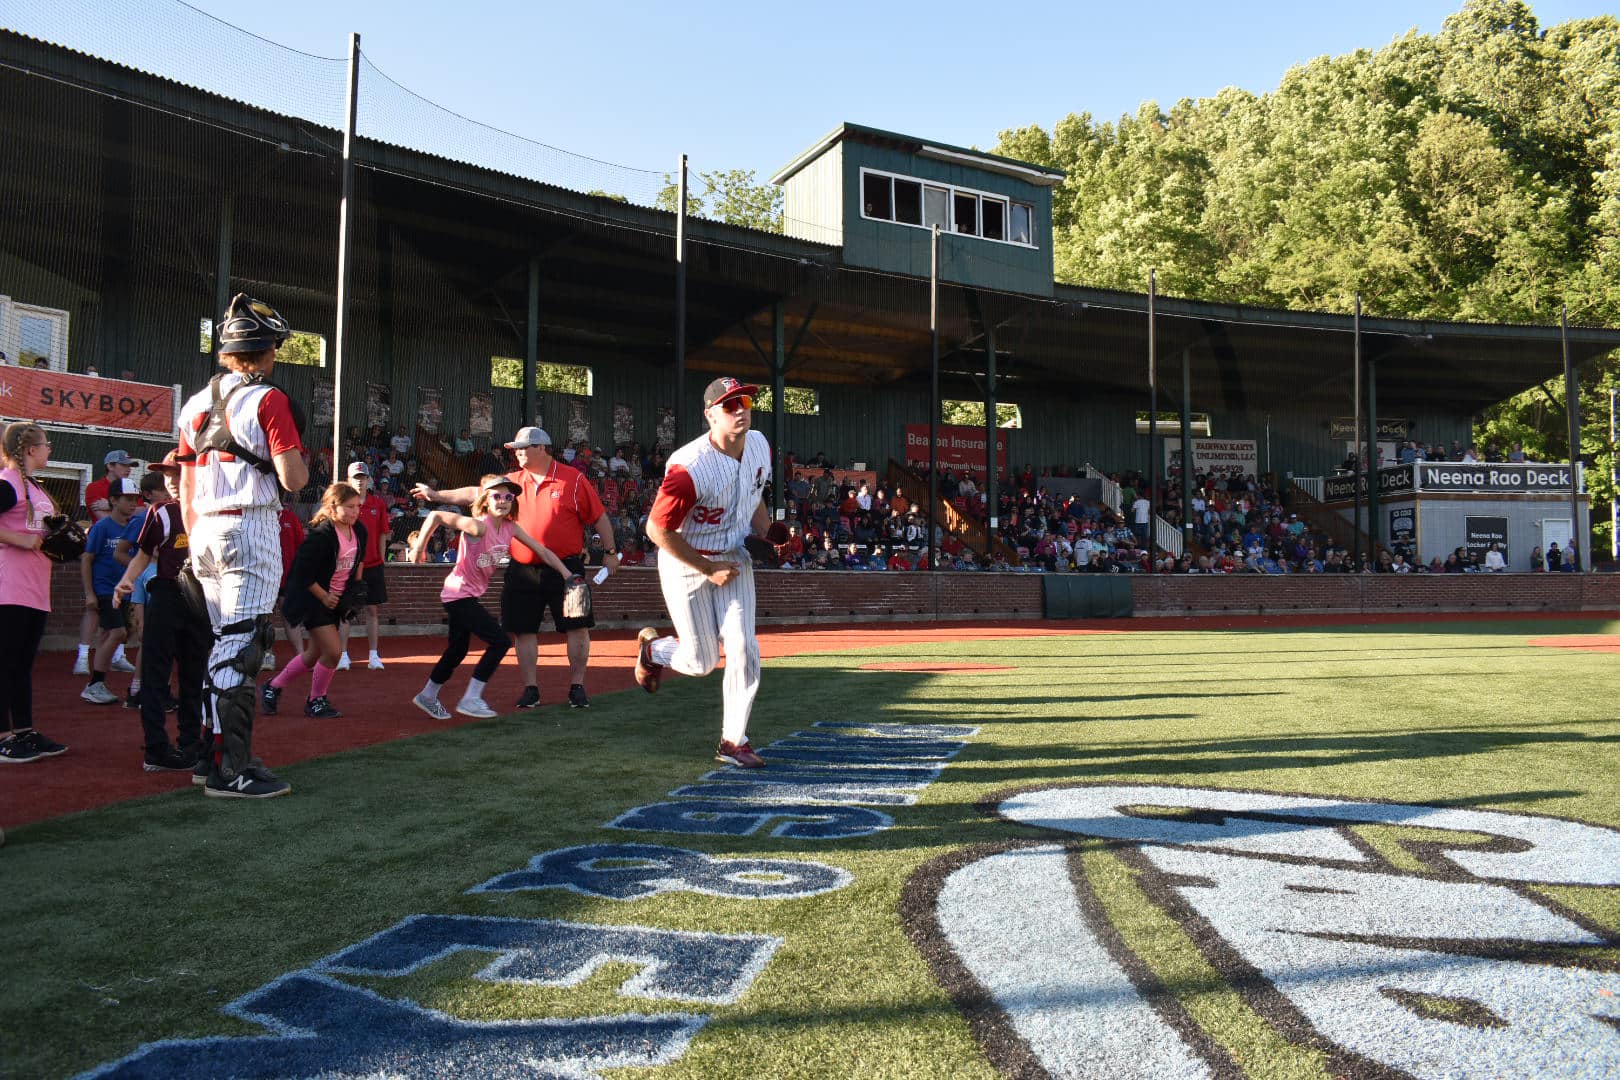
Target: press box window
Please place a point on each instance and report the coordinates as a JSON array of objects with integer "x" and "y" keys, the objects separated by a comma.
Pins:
[
  {"x": 995, "y": 218},
  {"x": 966, "y": 208},
  {"x": 879, "y": 202},
  {"x": 1022, "y": 230}
]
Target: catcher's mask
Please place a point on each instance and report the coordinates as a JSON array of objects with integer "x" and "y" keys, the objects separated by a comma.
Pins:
[{"x": 250, "y": 326}]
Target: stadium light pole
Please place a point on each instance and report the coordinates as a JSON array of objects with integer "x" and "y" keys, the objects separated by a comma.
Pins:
[{"x": 340, "y": 334}]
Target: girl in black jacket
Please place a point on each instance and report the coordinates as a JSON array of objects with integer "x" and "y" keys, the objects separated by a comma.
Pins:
[{"x": 321, "y": 597}]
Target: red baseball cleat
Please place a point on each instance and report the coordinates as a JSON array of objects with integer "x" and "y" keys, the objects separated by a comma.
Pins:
[
  {"x": 648, "y": 674},
  {"x": 741, "y": 755}
]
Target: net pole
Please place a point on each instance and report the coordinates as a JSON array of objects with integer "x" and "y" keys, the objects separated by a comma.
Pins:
[
  {"x": 1572, "y": 411},
  {"x": 1153, "y": 406},
  {"x": 1358, "y": 466},
  {"x": 680, "y": 308},
  {"x": 933, "y": 401},
  {"x": 345, "y": 208}
]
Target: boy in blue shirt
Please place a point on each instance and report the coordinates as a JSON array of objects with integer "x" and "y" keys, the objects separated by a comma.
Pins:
[{"x": 102, "y": 567}]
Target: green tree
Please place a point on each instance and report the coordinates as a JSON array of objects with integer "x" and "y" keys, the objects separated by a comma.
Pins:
[
  {"x": 729, "y": 195},
  {"x": 971, "y": 413}
]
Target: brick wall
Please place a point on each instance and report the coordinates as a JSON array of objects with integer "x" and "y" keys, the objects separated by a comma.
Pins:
[{"x": 632, "y": 597}]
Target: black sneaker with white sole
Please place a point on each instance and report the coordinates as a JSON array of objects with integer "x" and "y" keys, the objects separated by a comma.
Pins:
[
  {"x": 321, "y": 709},
  {"x": 269, "y": 697},
  {"x": 46, "y": 747},
  {"x": 577, "y": 698},
  {"x": 18, "y": 750},
  {"x": 530, "y": 698},
  {"x": 249, "y": 784},
  {"x": 168, "y": 759}
]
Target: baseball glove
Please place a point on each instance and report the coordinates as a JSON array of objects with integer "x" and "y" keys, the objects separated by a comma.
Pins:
[
  {"x": 64, "y": 540},
  {"x": 768, "y": 548},
  {"x": 577, "y": 598}
]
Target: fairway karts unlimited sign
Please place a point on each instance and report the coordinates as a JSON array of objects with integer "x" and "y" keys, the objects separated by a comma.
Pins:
[
  {"x": 1228, "y": 457},
  {"x": 1492, "y": 479},
  {"x": 57, "y": 397},
  {"x": 1392, "y": 940}
]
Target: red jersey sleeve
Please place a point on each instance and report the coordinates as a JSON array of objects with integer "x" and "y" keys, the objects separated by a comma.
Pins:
[
  {"x": 152, "y": 532},
  {"x": 676, "y": 497},
  {"x": 275, "y": 416}
]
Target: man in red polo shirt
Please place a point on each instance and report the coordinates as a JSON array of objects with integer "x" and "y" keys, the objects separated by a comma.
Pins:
[{"x": 557, "y": 505}]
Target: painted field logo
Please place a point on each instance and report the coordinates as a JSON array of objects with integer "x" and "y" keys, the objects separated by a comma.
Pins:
[{"x": 1187, "y": 932}]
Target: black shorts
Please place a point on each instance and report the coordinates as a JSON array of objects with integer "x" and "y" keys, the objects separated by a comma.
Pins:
[
  {"x": 376, "y": 584},
  {"x": 318, "y": 616},
  {"x": 112, "y": 618},
  {"x": 531, "y": 590}
]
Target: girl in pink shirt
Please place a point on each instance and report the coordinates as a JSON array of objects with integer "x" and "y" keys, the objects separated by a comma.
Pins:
[
  {"x": 320, "y": 597},
  {"x": 487, "y": 535},
  {"x": 25, "y": 589}
]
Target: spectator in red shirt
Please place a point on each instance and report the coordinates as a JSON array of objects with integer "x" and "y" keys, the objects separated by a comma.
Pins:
[
  {"x": 118, "y": 464},
  {"x": 374, "y": 516}
]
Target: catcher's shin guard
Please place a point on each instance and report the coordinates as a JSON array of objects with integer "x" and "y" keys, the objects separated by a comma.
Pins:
[{"x": 235, "y": 710}]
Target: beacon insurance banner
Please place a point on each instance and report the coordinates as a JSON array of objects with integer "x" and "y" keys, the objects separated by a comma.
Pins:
[
  {"x": 960, "y": 447},
  {"x": 56, "y": 397}
]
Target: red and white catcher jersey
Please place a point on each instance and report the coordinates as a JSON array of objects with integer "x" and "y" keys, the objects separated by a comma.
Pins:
[{"x": 709, "y": 496}]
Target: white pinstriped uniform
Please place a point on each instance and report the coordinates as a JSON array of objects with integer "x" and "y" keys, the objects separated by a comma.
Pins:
[
  {"x": 236, "y": 557},
  {"x": 707, "y": 616}
]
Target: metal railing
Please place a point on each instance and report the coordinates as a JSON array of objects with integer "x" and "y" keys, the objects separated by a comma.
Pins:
[
  {"x": 1310, "y": 485},
  {"x": 1167, "y": 537}
]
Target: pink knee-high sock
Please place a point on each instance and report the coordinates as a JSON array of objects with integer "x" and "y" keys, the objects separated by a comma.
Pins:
[
  {"x": 287, "y": 674},
  {"x": 321, "y": 681}
]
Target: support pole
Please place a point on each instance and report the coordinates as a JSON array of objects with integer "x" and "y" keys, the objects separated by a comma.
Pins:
[
  {"x": 222, "y": 275},
  {"x": 1186, "y": 452},
  {"x": 990, "y": 428},
  {"x": 1153, "y": 405},
  {"x": 778, "y": 408},
  {"x": 680, "y": 308},
  {"x": 1356, "y": 456},
  {"x": 531, "y": 355},
  {"x": 1614, "y": 489},
  {"x": 933, "y": 398},
  {"x": 340, "y": 336},
  {"x": 1572, "y": 411},
  {"x": 1373, "y": 530}
]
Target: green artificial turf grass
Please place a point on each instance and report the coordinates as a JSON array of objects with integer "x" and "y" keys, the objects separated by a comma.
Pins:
[{"x": 136, "y": 922}]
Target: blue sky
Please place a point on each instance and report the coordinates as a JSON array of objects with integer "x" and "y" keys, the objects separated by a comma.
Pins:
[{"x": 749, "y": 85}]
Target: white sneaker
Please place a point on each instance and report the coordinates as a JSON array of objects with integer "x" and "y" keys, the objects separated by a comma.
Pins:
[
  {"x": 343, "y": 662},
  {"x": 268, "y": 663},
  {"x": 121, "y": 664},
  {"x": 81, "y": 666},
  {"x": 375, "y": 663},
  {"x": 432, "y": 706},
  {"x": 475, "y": 706},
  {"x": 98, "y": 694}
]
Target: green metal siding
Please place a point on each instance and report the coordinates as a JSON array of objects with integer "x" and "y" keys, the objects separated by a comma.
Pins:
[
  {"x": 813, "y": 200},
  {"x": 905, "y": 249}
]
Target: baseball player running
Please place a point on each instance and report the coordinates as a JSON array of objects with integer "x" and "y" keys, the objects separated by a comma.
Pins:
[
  {"x": 231, "y": 507},
  {"x": 711, "y": 500}
]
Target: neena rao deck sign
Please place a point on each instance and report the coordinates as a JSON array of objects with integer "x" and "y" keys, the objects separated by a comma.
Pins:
[
  {"x": 56, "y": 397},
  {"x": 1390, "y": 940}
]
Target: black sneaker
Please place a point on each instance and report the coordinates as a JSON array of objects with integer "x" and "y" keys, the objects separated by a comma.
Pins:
[
  {"x": 46, "y": 747},
  {"x": 530, "y": 698},
  {"x": 249, "y": 784},
  {"x": 18, "y": 750},
  {"x": 269, "y": 696},
  {"x": 170, "y": 702},
  {"x": 203, "y": 769},
  {"x": 577, "y": 698},
  {"x": 321, "y": 709},
  {"x": 133, "y": 701},
  {"x": 168, "y": 759}
]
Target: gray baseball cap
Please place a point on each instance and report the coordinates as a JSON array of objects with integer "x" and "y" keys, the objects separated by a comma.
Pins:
[
  {"x": 529, "y": 436},
  {"x": 117, "y": 457}
]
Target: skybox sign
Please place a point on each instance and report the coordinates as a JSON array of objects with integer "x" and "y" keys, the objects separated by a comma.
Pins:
[{"x": 1492, "y": 479}]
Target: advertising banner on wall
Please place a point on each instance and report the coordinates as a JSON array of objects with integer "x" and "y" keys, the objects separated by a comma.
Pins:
[
  {"x": 579, "y": 421},
  {"x": 1344, "y": 427},
  {"x": 481, "y": 413},
  {"x": 1482, "y": 532},
  {"x": 429, "y": 408},
  {"x": 379, "y": 405},
  {"x": 1492, "y": 479},
  {"x": 624, "y": 424},
  {"x": 1228, "y": 457},
  {"x": 57, "y": 397},
  {"x": 1395, "y": 480},
  {"x": 960, "y": 447},
  {"x": 322, "y": 396},
  {"x": 1403, "y": 525},
  {"x": 664, "y": 437}
]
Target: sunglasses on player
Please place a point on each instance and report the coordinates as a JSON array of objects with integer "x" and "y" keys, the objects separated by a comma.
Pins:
[{"x": 737, "y": 404}]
